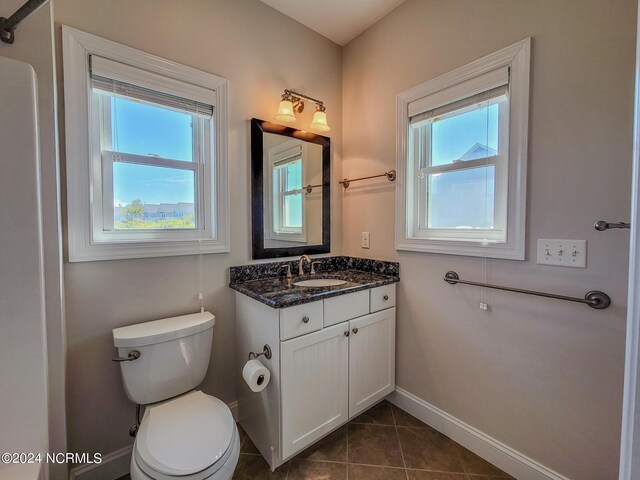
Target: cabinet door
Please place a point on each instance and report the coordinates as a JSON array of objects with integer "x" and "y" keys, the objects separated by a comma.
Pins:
[
  {"x": 372, "y": 358},
  {"x": 315, "y": 386}
]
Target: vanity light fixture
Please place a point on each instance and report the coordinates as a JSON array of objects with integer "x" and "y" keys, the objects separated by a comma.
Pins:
[{"x": 292, "y": 104}]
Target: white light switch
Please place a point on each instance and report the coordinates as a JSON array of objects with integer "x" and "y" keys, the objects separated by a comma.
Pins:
[
  {"x": 365, "y": 240},
  {"x": 562, "y": 252}
]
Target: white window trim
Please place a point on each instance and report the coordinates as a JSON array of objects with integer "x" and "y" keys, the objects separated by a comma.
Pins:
[
  {"x": 516, "y": 57},
  {"x": 77, "y": 48}
]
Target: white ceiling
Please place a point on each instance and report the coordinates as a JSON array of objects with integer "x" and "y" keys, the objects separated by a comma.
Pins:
[{"x": 338, "y": 20}]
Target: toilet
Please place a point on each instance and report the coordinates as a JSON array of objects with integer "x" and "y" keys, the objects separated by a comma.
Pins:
[{"x": 184, "y": 433}]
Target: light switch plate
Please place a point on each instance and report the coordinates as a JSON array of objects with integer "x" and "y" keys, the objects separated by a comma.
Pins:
[
  {"x": 562, "y": 252},
  {"x": 365, "y": 240}
]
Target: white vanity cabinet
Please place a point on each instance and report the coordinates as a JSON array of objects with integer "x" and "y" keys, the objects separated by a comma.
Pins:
[
  {"x": 331, "y": 360},
  {"x": 315, "y": 387},
  {"x": 372, "y": 355}
]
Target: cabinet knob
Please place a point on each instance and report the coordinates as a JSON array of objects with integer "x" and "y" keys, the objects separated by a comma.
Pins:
[
  {"x": 346, "y": 334},
  {"x": 386, "y": 297},
  {"x": 305, "y": 319},
  {"x": 355, "y": 330}
]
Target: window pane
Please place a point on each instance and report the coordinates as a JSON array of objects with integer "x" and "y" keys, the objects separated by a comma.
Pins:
[
  {"x": 150, "y": 197},
  {"x": 466, "y": 134},
  {"x": 144, "y": 129},
  {"x": 461, "y": 198},
  {"x": 292, "y": 214},
  {"x": 293, "y": 175}
]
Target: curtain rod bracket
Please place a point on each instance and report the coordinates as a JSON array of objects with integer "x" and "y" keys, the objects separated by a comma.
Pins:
[
  {"x": 8, "y": 25},
  {"x": 7, "y": 34}
]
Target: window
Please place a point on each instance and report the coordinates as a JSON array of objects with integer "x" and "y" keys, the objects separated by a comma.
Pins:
[
  {"x": 462, "y": 169},
  {"x": 287, "y": 177},
  {"x": 150, "y": 137},
  {"x": 288, "y": 195}
]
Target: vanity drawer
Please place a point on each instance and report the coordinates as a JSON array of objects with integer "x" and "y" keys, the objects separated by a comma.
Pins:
[
  {"x": 301, "y": 319},
  {"x": 345, "y": 307},
  {"x": 383, "y": 297}
]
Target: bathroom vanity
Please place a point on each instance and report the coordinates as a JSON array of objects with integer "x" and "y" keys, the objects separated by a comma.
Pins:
[{"x": 332, "y": 348}]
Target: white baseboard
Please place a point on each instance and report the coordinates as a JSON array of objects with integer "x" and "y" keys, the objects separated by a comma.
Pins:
[
  {"x": 116, "y": 464},
  {"x": 511, "y": 461}
]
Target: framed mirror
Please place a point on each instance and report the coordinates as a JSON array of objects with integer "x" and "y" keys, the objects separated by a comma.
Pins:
[{"x": 290, "y": 191}]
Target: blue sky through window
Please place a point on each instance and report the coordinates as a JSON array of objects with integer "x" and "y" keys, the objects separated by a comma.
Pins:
[
  {"x": 452, "y": 137},
  {"x": 144, "y": 129},
  {"x": 151, "y": 184}
]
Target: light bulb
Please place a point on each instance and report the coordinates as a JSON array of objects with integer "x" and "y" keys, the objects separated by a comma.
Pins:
[
  {"x": 285, "y": 111},
  {"x": 319, "y": 122}
]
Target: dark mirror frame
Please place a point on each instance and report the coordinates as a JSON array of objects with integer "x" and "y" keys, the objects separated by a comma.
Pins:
[{"x": 258, "y": 129}]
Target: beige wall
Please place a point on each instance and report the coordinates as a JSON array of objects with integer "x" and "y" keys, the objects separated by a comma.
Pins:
[
  {"x": 542, "y": 376},
  {"x": 34, "y": 45},
  {"x": 260, "y": 52}
]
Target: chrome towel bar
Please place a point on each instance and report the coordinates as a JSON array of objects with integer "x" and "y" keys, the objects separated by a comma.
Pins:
[{"x": 595, "y": 298}]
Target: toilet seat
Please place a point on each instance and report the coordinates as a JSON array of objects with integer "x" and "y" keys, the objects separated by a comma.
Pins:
[{"x": 190, "y": 436}]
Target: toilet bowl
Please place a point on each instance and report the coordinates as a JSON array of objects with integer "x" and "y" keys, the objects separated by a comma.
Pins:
[
  {"x": 190, "y": 437},
  {"x": 184, "y": 434}
]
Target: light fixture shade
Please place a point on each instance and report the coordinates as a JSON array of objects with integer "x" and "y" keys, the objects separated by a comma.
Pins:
[
  {"x": 319, "y": 122},
  {"x": 285, "y": 111}
]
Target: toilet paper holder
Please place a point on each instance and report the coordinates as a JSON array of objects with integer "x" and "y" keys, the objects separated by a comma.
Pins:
[{"x": 266, "y": 351}]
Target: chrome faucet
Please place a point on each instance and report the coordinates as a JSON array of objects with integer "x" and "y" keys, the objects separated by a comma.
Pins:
[{"x": 302, "y": 259}]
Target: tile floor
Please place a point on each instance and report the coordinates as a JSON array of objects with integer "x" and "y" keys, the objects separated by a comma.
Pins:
[{"x": 383, "y": 443}]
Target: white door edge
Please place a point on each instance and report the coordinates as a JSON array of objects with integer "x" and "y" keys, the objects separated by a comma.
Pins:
[{"x": 630, "y": 440}]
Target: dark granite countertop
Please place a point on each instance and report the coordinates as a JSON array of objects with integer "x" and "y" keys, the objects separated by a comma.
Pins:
[{"x": 267, "y": 283}]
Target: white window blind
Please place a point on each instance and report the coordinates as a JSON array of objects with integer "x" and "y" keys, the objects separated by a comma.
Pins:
[
  {"x": 108, "y": 78},
  {"x": 481, "y": 99},
  {"x": 493, "y": 79}
]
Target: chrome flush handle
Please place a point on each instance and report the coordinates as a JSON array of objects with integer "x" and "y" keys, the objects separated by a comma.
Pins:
[{"x": 133, "y": 355}]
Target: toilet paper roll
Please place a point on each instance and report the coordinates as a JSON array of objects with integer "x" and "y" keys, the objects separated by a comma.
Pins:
[{"x": 256, "y": 375}]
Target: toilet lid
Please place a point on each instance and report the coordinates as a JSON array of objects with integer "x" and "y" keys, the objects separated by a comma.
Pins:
[{"x": 185, "y": 435}]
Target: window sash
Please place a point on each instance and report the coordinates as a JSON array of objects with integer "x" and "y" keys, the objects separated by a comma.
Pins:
[
  {"x": 280, "y": 231},
  {"x": 103, "y": 230},
  {"x": 418, "y": 166},
  {"x": 280, "y": 168}
]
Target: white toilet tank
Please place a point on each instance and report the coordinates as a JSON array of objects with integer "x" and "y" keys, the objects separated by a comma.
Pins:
[{"x": 174, "y": 356}]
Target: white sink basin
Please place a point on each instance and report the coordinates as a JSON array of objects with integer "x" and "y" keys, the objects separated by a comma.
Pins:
[{"x": 320, "y": 282}]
